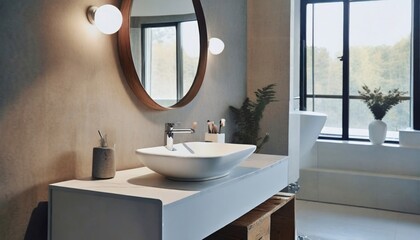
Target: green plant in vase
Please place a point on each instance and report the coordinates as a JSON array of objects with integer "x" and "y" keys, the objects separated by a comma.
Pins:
[
  {"x": 379, "y": 104},
  {"x": 248, "y": 117}
]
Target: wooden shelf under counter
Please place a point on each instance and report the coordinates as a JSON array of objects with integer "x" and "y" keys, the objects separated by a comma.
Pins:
[{"x": 274, "y": 219}]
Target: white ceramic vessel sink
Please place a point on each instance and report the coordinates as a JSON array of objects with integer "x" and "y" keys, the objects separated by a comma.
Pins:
[{"x": 195, "y": 161}]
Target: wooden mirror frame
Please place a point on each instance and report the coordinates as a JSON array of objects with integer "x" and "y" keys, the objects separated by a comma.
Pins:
[{"x": 127, "y": 63}]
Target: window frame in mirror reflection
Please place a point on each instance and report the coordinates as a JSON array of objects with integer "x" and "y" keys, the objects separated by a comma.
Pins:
[{"x": 166, "y": 81}]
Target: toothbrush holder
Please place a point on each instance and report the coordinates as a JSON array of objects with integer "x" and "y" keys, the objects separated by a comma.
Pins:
[
  {"x": 103, "y": 163},
  {"x": 214, "y": 137}
]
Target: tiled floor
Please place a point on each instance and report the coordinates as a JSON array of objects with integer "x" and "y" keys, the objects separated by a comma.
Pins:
[{"x": 321, "y": 221}]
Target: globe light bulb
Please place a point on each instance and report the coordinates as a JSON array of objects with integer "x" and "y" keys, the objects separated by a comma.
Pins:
[
  {"x": 216, "y": 46},
  {"x": 107, "y": 18}
]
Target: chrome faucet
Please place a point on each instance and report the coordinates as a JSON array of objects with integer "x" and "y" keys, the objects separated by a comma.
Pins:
[{"x": 170, "y": 131}]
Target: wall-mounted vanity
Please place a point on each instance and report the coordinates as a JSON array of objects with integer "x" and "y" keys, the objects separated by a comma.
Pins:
[
  {"x": 141, "y": 204},
  {"x": 163, "y": 50}
]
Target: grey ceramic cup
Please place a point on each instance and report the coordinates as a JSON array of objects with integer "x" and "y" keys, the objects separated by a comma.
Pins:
[{"x": 103, "y": 164}]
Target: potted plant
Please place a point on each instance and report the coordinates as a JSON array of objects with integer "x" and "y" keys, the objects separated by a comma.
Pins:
[
  {"x": 248, "y": 117},
  {"x": 379, "y": 104}
]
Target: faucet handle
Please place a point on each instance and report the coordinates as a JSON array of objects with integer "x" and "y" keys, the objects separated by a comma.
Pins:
[
  {"x": 194, "y": 125},
  {"x": 169, "y": 126}
]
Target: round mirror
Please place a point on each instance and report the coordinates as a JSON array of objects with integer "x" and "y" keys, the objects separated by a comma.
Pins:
[{"x": 163, "y": 50}]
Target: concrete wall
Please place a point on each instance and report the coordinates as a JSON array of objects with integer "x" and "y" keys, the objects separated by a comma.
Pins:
[
  {"x": 269, "y": 62},
  {"x": 61, "y": 81}
]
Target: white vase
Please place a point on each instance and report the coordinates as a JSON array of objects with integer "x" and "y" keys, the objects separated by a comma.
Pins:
[{"x": 377, "y": 132}]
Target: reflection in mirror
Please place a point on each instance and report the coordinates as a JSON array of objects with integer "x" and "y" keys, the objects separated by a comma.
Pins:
[
  {"x": 130, "y": 47},
  {"x": 165, "y": 46}
]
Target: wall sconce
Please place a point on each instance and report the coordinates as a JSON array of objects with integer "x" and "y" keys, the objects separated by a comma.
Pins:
[
  {"x": 107, "y": 18},
  {"x": 216, "y": 46}
]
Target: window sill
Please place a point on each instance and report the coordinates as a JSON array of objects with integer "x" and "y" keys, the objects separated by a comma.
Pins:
[
  {"x": 356, "y": 139},
  {"x": 367, "y": 143}
]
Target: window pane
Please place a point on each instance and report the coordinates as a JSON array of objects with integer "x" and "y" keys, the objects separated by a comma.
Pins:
[
  {"x": 190, "y": 44},
  {"x": 380, "y": 39},
  {"x": 360, "y": 118},
  {"x": 333, "y": 109},
  {"x": 135, "y": 39},
  {"x": 160, "y": 64},
  {"x": 324, "y": 47}
]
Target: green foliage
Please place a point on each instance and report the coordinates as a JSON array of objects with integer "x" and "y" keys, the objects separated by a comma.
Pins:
[
  {"x": 384, "y": 65},
  {"x": 379, "y": 103},
  {"x": 374, "y": 65},
  {"x": 248, "y": 118}
]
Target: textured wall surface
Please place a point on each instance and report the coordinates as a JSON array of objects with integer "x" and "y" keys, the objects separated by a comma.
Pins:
[
  {"x": 61, "y": 81},
  {"x": 268, "y": 34}
]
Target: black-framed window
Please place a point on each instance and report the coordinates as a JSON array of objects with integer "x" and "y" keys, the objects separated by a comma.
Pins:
[{"x": 345, "y": 44}]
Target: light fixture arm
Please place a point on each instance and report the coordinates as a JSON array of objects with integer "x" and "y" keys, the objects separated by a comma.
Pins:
[{"x": 91, "y": 14}]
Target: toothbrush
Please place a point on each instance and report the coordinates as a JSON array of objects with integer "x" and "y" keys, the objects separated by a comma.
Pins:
[
  {"x": 222, "y": 124},
  {"x": 103, "y": 140},
  {"x": 100, "y": 135},
  {"x": 213, "y": 128},
  {"x": 209, "y": 127}
]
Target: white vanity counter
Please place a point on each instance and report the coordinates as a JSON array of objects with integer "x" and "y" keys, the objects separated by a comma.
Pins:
[{"x": 141, "y": 204}]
